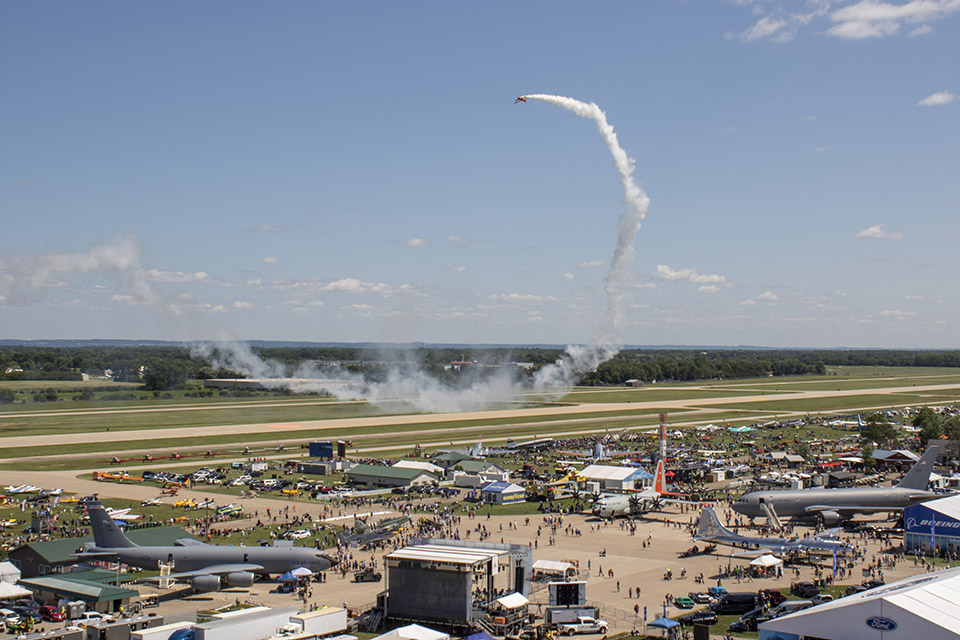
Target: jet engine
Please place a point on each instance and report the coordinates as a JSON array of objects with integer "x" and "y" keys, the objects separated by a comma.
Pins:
[
  {"x": 829, "y": 518},
  {"x": 206, "y": 583},
  {"x": 239, "y": 579}
]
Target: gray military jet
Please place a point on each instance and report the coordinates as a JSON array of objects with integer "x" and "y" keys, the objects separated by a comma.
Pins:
[
  {"x": 832, "y": 506},
  {"x": 206, "y": 567},
  {"x": 709, "y": 529}
]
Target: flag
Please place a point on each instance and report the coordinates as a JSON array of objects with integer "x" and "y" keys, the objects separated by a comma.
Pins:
[
  {"x": 834, "y": 562},
  {"x": 933, "y": 542},
  {"x": 644, "y": 614}
]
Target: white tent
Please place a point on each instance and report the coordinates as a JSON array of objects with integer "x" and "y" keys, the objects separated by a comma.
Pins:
[
  {"x": 10, "y": 591},
  {"x": 9, "y": 573},
  {"x": 414, "y": 632},
  {"x": 766, "y": 561},
  {"x": 512, "y": 601},
  {"x": 553, "y": 567}
]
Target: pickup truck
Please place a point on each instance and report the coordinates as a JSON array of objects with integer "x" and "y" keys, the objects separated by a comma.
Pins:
[{"x": 583, "y": 625}]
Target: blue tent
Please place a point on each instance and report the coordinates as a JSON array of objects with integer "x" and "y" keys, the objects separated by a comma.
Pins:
[
  {"x": 664, "y": 623},
  {"x": 480, "y": 636},
  {"x": 287, "y": 577}
]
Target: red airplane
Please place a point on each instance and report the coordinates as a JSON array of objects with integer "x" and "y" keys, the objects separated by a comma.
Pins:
[{"x": 520, "y": 99}]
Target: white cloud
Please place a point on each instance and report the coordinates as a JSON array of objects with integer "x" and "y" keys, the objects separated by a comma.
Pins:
[
  {"x": 352, "y": 285},
  {"x": 416, "y": 242},
  {"x": 896, "y": 313},
  {"x": 592, "y": 264},
  {"x": 458, "y": 240},
  {"x": 664, "y": 272},
  {"x": 242, "y": 304},
  {"x": 359, "y": 307},
  {"x": 877, "y": 231},
  {"x": 767, "y": 296},
  {"x": 161, "y": 275},
  {"x": 315, "y": 303},
  {"x": 765, "y": 27},
  {"x": 922, "y": 30},
  {"x": 840, "y": 294},
  {"x": 873, "y": 19},
  {"x": 271, "y": 260},
  {"x": 708, "y": 288},
  {"x": 568, "y": 276},
  {"x": 520, "y": 297},
  {"x": 937, "y": 99}
]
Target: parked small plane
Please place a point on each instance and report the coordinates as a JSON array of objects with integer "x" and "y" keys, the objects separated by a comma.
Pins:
[
  {"x": 206, "y": 567},
  {"x": 613, "y": 505},
  {"x": 832, "y": 506},
  {"x": 709, "y": 529}
]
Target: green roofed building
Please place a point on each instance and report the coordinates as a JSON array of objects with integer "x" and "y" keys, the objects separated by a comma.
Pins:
[
  {"x": 96, "y": 587},
  {"x": 380, "y": 476},
  {"x": 55, "y": 556}
]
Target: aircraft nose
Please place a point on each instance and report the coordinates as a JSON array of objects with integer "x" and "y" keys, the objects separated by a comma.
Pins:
[{"x": 332, "y": 561}]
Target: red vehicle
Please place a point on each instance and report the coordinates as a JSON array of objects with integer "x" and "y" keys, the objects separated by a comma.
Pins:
[
  {"x": 51, "y": 613},
  {"x": 772, "y": 596}
]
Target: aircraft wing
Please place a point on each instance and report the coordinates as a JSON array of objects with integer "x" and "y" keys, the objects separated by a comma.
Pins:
[
  {"x": 828, "y": 535},
  {"x": 189, "y": 542},
  {"x": 849, "y": 508},
  {"x": 212, "y": 570}
]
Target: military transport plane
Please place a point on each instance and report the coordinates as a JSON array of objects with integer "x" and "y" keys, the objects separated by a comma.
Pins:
[
  {"x": 206, "y": 567},
  {"x": 709, "y": 529},
  {"x": 832, "y": 506}
]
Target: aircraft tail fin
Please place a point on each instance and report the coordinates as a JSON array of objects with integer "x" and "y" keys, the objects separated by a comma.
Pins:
[
  {"x": 709, "y": 525},
  {"x": 660, "y": 479},
  {"x": 919, "y": 474},
  {"x": 511, "y": 443},
  {"x": 106, "y": 533}
]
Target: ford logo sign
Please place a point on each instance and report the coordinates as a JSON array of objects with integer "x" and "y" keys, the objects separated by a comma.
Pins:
[{"x": 883, "y": 624}]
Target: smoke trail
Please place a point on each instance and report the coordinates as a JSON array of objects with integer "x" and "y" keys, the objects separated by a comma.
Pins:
[{"x": 579, "y": 360}]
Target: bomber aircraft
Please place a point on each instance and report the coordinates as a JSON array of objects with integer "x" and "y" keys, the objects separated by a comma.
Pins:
[{"x": 709, "y": 529}]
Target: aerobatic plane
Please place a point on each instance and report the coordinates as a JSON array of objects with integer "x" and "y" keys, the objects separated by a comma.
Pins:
[{"x": 520, "y": 99}]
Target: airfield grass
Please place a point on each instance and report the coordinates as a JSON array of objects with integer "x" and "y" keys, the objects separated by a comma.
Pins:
[
  {"x": 402, "y": 437},
  {"x": 839, "y": 385},
  {"x": 832, "y": 405}
]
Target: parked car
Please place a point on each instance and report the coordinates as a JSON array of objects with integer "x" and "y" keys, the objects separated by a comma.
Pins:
[
  {"x": 93, "y": 617},
  {"x": 772, "y": 596},
  {"x": 683, "y": 602},
  {"x": 701, "y": 597},
  {"x": 854, "y": 588},
  {"x": 703, "y": 616},
  {"x": 299, "y": 534},
  {"x": 790, "y": 606},
  {"x": 27, "y": 612},
  {"x": 820, "y": 598},
  {"x": 735, "y": 603},
  {"x": 583, "y": 625},
  {"x": 749, "y": 620},
  {"x": 804, "y": 589},
  {"x": 717, "y": 592},
  {"x": 367, "y": 575},
  {"x": 51, "y": 613},
  {"x": 9, "y": 618}
]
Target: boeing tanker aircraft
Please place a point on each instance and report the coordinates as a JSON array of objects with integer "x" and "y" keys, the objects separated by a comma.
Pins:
[
  {"x": 710, "y": 530},
  {"x": 832, "y": 506},
  {"x": 206, "y": 567}
]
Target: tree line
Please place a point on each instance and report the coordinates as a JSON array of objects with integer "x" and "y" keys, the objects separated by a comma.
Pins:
[{"x": 166, "y": 368}]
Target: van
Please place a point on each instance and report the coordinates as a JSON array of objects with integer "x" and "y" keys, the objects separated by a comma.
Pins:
[
  {"x": 733, "y": 603},
  {"x": 9, "y": 618}
]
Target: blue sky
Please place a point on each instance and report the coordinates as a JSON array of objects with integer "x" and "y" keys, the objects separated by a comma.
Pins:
[{"x": 337, "y": 171}]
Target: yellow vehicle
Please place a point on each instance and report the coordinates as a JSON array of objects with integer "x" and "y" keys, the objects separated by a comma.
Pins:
[
  {"x": 188, "y": 503},
  {"x": 290, "y": 492}
]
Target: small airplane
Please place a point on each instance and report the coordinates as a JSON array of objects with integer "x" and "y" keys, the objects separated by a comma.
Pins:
[
  {"x": 709, "y": 529},
  {"x": 520, "y": 99},
  {"x": 247, "y": 494},
  {"x": 638, "y": 502},
  {"x": 155, "y": 502}
]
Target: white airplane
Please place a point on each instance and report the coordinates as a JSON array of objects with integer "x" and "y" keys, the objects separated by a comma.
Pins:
[
  {"x": 23, "y": 488},
  {"x": 638, "y": 502},
  {"x": 122, "y": 514}
]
